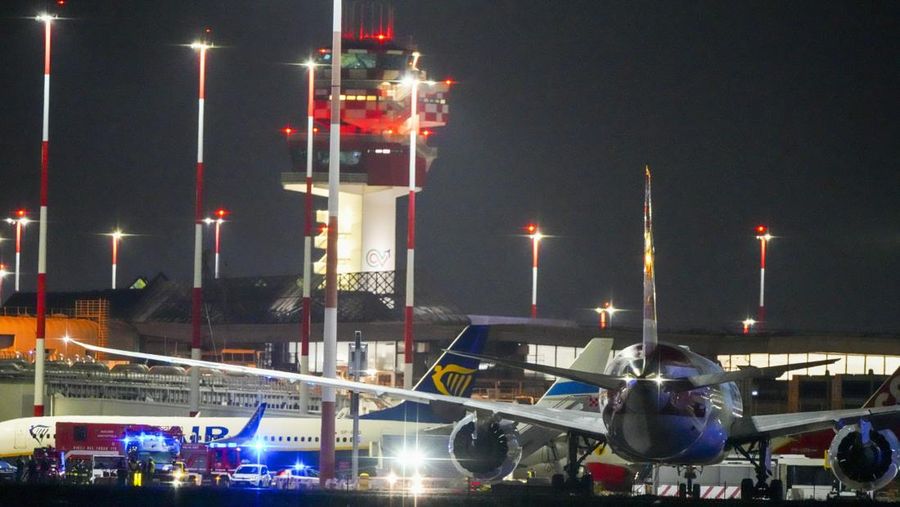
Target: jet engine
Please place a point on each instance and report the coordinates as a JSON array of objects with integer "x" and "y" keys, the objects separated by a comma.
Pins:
[
  {"x": 863, "y": 458},
  {"x": 486, "y": 450}
]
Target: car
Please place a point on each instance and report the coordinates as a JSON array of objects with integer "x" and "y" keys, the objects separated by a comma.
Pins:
[
  {"x": 256, "y": 476},
  {"x": 7, "y": 472},
  {"x": 297, "y": 477}
]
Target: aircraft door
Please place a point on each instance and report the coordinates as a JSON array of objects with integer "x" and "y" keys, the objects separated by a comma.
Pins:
[{"x": 20, "y": 437}]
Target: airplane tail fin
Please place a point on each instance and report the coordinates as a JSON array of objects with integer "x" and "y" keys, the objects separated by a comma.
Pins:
[
  {"x": 592, "y": 359},
  {"x": 451, "y": 375},
  {"x": 247, "y": 433},
  {"x": 888, "y": 394},
  {"x": 649, "y": 329}
]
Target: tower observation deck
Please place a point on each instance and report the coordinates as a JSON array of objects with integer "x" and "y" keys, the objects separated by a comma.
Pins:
[{"x": 377, "y": 76}]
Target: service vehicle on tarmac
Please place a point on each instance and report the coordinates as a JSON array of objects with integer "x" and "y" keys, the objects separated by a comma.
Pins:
[
  {"x": 256, "y": 476},
  {"x": 297, "y": 477}
]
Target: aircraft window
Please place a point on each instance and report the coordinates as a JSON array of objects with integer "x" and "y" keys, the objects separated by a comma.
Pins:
[
  {"x": 317, "y": 439},
  {"x": 303, "y": 439},
  {"x": 279, "y": 439},
  {"x": 295, "y": 439}
]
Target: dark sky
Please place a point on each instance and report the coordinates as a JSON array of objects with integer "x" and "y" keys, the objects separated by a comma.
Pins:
[{"x": 780, "y": 112}]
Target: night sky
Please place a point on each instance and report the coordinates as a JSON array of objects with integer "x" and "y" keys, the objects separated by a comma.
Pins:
[{"x": 784, "y": 113}]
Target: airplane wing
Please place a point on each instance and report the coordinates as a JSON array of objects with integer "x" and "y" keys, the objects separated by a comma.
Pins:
[
  {"x": 775, "y": 425},
  {"x": 749, "y": 372},
  {"x": 589, "y": 423}
]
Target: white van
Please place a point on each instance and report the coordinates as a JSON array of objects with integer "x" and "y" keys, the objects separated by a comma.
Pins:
[{"x": 256, "y": 476}]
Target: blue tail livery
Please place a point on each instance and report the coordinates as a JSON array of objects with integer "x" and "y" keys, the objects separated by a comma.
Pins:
[
  {"x": 247, "y": 433},
  {"x": 451, "y": 375}
]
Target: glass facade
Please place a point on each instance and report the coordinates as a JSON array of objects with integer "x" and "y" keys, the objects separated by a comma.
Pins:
[{"x": 848, "y": 364}]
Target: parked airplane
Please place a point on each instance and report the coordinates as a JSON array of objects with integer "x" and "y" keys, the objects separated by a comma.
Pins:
[
  {"x": 284, "y": 440},
  {"x": 661, "y": 404},
  {"x": 820, "y": 444}
]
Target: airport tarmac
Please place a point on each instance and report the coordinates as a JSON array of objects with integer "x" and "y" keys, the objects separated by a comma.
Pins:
[{"x": 55, "y": 495}]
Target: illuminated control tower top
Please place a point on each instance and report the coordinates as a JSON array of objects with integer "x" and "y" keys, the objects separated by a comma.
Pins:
[{"x": 377, "y": 76}]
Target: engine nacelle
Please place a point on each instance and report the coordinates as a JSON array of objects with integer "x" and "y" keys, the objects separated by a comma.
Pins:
[
  {"x": 862, "y": 465},
  {"x": 485, "y": 450}
]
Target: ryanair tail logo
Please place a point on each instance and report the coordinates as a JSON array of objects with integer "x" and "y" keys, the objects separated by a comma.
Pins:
[{"x": 452, "y": 380}]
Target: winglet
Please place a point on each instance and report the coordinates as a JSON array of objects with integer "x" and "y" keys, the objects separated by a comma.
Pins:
[{"x": 649, "y": 331}]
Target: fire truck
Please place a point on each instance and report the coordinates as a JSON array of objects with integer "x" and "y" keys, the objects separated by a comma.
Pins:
[{"x": 100, "y": 453}]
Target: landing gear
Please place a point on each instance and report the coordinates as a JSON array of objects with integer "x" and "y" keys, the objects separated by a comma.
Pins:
[
  {"x": 578, "y": 443},
  {"x": 689, "y": 488},
  {"x": 761, "y": 489}
]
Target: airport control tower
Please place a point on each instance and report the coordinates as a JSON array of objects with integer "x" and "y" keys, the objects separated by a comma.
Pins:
[{"x": 377, "y": 76}]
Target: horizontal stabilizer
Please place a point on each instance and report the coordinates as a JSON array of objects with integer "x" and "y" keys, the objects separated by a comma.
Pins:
[
  {"x": 749, "y": 372},
  {"x": 594, "y": 379}
]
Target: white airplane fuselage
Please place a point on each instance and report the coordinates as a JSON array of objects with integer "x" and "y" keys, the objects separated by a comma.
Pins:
[{"x": 277, "y": 434}]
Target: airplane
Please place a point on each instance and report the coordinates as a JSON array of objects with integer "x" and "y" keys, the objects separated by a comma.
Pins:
[
  {"x": 284, "y": 440},
  {"x": 815, "y": 444},
  {"x": 660, "y": 404}
]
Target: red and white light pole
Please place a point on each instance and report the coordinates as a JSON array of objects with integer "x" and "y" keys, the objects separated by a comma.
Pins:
[
  {"x": 306, "y": 317},
  {"x": 3, "y": 274},
  {"x": 408, "y": 335},
  {"x": 220, "y": 214},
  {"x": 116, "y": 236},
  {"x": 748, "y": 324},
  {"x": 762, "y": 234},
  {"x": 40, "y": 331},
  {"x": 605, "y": 314},
  {"x": 20, "y": 222},
  {"x": 408, "y": 352},
  {"x": 535, "y": 234},
  {"x": 329, "y": 366},
  {"x": 197, "y": 290}
]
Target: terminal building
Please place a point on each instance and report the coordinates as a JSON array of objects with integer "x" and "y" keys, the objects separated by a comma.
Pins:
[{"x": 253, "y": 321}]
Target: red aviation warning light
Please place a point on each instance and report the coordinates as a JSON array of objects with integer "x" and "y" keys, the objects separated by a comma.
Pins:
[
  {"x": 20, "y": 213},
  {"x": 287, "y": 131},
  {"x": 222, "y": 212},
  {"x": 531, "y": 228},
  {"x": 761, "y": 230}
]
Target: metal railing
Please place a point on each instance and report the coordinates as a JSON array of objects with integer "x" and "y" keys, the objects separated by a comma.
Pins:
[{"x": 215, "y": 391}]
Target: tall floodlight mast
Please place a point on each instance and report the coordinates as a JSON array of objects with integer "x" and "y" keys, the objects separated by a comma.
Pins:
[
  {"x": 329, "y": 366},
  {"x": 19, "y": 223},
  {"x": 40, "y": 331},
  {"x": 197, "y": 290},
  {"x": 307, "y": 239},
  {"x": 762, "y": 234}
]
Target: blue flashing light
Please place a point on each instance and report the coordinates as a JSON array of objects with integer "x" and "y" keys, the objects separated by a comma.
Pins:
[{"x": 232, "y": 445}]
